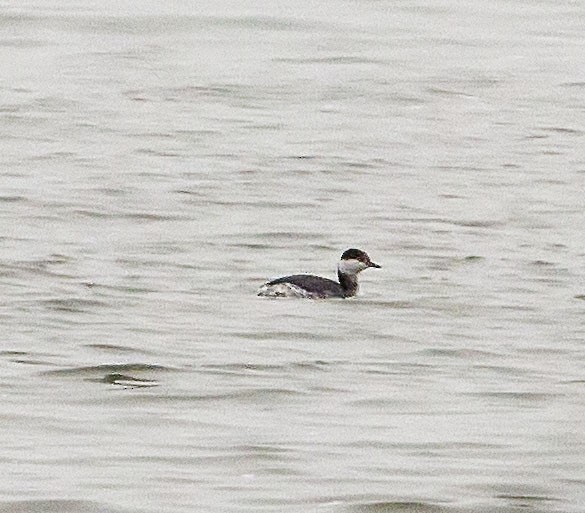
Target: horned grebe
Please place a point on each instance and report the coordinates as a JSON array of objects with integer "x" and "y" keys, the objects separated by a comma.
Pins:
[{"x": 353, "y": 261}]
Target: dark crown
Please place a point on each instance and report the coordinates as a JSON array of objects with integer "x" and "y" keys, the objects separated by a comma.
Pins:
[{"x": 356, "y": 254}]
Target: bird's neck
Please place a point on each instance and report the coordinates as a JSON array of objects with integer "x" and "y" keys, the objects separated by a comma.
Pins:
[{"x": 348, "y": 282}]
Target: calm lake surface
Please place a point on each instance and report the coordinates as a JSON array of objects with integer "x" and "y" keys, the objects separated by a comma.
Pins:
[{"x": 160, "y": 160}]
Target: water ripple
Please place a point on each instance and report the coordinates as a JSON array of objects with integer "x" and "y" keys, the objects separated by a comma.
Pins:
[
  {"x": 396, "y": 507},
  {"x": 59, "y": 505}
]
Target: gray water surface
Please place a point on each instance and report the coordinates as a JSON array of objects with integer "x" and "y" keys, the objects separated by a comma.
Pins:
[{"x": 160, "y": 160}]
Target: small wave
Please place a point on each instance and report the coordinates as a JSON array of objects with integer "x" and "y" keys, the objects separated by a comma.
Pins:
[
  {"x": 125, "y": 289},
  {"x": 473, "y": 258},
  {"x": 247, "y": 368},
  {"x": 526, "y": 499},
  {"x": 122, "y": 375},
  {"x": 396, "y": 304},
  {"x": 242, "y": 368},
  {"x": 562, "y": 130},
  {"x": 415, "y": 447},
  {"x": 446, "y": 92},
  {"x": 525, "y": 397},
  {"x": 13, "y": 353},
  {"x": 252, "y": 395},
  {"x": 477, "y": 223},
  {"x": 73, "y": 305},
  {"x": 282, "y": 335},
  {"x": 289, "y": 235},
  {"x": 12, "y": 199},
  {"x": 139, "y": 216},
  {"x": 263, "y": 204},
  {"x": 113, "y": 348},
  {"x": 42, "y": 265},
  {"x": 126, "y": 381},
  {"x": 26, "y": 357},
  {"x": 468, "y": 354},
  {"x": 396, "y": 507},
  {"x": 22, "y": 43},
  {"x": 336, "y": 59},
  {"x": 542, "y": 263},
  {"x": 158, "y": 153},
  {"x": 56, "y": 505},
  {"x": 94, "y": 371}
]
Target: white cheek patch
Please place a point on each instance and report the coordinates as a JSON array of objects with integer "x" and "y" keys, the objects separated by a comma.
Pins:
[{"x": 351, "y": 266}]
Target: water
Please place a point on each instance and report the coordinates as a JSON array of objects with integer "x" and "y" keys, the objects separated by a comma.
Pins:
[{"x": 160, "y": 161}]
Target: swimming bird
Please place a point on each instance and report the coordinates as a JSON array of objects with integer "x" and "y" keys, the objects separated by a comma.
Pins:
[{"x": 352, "y": 262}]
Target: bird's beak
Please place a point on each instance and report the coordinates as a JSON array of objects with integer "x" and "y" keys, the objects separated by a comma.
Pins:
[{"x": 372, "y": 264}]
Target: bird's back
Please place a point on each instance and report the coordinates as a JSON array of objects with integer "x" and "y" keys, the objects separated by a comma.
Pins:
[{"x": 309, "y": 285}]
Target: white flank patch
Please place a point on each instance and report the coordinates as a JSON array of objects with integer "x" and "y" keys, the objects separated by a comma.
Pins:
[{"x": 283, "y": 290}]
